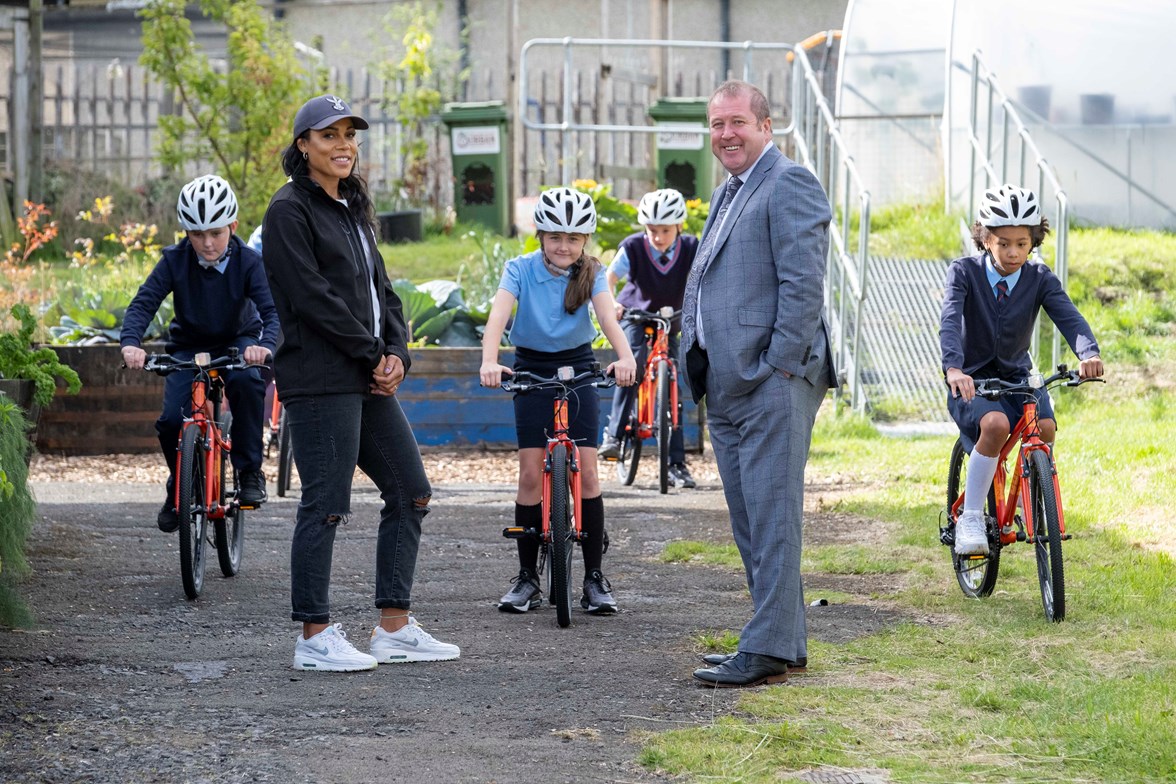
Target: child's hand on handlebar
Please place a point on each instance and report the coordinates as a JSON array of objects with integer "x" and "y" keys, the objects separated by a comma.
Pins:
[
  {"x": 490, "y": 374},
  {"x": 1091, "y": 367},
  {"x": 134, "y": 357},
  {"x": 255, "y": 355},
  {"x": 624, "y": 371},
  {"x": 961, "y": 384}
]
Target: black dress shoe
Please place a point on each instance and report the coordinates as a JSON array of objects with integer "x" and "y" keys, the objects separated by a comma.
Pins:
[
  {"x": 794, "y": 668},
  {"x": 744, "y": 669}
]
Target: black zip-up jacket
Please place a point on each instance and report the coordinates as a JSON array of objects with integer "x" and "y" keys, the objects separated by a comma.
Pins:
[
  {"x": 212, "y": 310},
  {"x": 319, "y": 278}
]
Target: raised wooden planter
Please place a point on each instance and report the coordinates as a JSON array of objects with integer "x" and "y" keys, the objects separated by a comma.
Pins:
[{"x": 116, "y": 410}]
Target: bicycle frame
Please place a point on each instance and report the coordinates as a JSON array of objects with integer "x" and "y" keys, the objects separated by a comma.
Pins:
[
  {"x": 1027, "y": 436},
  {"x": 560, "y": 436},
  {"x": 657, "y": 338},
  {"x": 215, "y": 444}
]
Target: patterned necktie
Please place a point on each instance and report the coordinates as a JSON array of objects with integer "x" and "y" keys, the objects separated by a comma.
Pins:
[
  {"x": 702, "y": 259},
  {"x": 1002, "y": 291}
]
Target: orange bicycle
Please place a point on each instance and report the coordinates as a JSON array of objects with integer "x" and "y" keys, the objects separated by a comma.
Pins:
[
  {"x": 561, "y": 484},
  {"x": 278, "y": 434},
  {"x": 1034, "y": 489},
  {"x": 657, "y": 411},
  {"x": 202, "y": 492}
]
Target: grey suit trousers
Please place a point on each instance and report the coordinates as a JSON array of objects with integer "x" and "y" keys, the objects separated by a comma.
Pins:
[{"x": 761, "y": 442}]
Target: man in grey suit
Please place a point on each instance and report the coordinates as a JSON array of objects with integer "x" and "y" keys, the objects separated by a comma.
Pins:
[{"x": 755, "y": 345}]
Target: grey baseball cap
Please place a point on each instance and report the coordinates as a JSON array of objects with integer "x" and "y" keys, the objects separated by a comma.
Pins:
[{"x": 321, "y": 111}]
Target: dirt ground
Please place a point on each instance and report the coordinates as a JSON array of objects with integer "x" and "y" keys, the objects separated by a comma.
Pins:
[{"x": 124, "y": 680}]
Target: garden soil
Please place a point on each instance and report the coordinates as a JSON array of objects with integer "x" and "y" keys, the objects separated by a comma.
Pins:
[{"x": 124, "y": 680}]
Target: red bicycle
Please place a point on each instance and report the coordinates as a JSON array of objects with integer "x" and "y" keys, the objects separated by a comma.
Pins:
[
  {"x": 202, "y": 492},
  {"x": 1035, "y": 488},
  {"x": 278, "y": 434},
  {"x": 561, "y": 484},
  {"x": 657, "y": 411}
]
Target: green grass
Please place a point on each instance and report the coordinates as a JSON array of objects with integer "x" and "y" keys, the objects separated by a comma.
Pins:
[
  {"x": 978, "y": 690},
  {"x": 444, "y": 256}
]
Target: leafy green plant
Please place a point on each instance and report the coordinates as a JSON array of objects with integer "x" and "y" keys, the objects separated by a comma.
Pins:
[
  {"x": 416, "y": 70},
  {"x": 436, "y": 313},
  {"x": 19, "y": 359},
  {"x": 238, "y": 117},
  {"x": 18, "y": 511}
]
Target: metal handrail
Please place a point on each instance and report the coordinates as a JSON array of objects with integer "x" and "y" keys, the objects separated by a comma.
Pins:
[
  {"x": 566, "y": 125},
  {"x": 982, "y": 76},
  {"x": 821, "y": 148}
]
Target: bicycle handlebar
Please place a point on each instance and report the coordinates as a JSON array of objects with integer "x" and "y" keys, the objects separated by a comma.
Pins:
[
  {"x": 524, "y": 380},
  {"x": 165, "y": 364},
  {"x": 994, "y": 388},
  {"x": 636, "y": 315}
]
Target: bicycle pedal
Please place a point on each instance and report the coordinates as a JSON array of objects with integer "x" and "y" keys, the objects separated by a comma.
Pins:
[{"x": 516, "y": 532}]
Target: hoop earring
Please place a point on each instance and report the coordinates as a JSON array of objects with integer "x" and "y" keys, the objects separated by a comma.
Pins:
[{"x": 305, "y": 155}]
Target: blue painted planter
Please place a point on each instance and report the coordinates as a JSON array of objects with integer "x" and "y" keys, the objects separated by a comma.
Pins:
[{"x": 448, "y": 407}]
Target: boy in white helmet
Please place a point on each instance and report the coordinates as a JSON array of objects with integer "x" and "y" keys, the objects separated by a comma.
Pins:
[
  {"x": 551, "y": 329},
  {"x": 655, "y": 263},
  {"x": 221, "y": 299},
  {"x": 990, "y": 306}
]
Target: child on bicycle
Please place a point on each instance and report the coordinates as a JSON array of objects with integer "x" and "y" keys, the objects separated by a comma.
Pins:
[
  {"x": 552, "y": 328},
  {"x": 656, "y": 262},
  {"x": 221, "y": 299},
  {"x": 990, "y": 306}
]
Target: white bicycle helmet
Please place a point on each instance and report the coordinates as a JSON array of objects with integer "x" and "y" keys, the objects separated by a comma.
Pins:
[
  {"x": 1009, "y": 205},
  {"x": 206, "y": 202},
  {"x": 567, "y": 210},
  {"x": 665, "y": 207}
]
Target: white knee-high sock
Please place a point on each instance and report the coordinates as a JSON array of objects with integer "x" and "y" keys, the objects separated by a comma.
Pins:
[{"x": 981, "y": 470}]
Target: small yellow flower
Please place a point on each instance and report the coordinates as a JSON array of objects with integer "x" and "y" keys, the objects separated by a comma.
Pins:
[
  {"x": 585, "y": 185},
  {"x": 692, "y": 204}
]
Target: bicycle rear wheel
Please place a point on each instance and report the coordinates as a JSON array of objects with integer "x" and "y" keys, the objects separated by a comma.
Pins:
[
  {"x": 663, "y": 418},
  {"x": 285, "y": 455},
  {"x": 560, "y": 589},
  {"x": 191, "y": 510},
  {"x": 230, "y": 529},
  {"x": 976, "y": 574},
  {"x": 630, "y": 451},
  {"x": 1047, "y": 536}
]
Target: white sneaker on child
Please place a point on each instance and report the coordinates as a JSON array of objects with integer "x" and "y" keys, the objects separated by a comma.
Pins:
[
  {"x": 330, "y": 651},
  {"x": 410, "y": 644},
  {"x": 971, "y": 534}
]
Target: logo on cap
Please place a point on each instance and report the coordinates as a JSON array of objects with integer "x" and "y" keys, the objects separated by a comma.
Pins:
[{"x": 336, "y": 103}]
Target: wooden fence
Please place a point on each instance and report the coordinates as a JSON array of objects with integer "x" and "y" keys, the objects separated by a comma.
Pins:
[{"x": 104, "y": 119}]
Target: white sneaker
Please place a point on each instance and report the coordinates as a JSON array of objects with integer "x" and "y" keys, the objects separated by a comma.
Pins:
[
  {"x": 971, "y": 536},
  {"x": 329, "y": 651},
  {"x": 410, "y": 644}
]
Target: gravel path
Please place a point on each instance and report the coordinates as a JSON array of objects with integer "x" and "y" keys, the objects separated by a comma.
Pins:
[{"x": 123, "y": 680}]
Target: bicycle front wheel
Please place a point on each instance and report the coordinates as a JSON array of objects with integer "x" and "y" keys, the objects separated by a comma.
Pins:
[
  {"x": 976, "y": 574},
  {"x": 230, "y": 529},
  {"x": 560, "y": 589},
  {"x": 663, "y": 418},
  {"x": 1047, "y": 536},
  {"x": 191, "y": 510},
  {"x": 630, "y": 453},
  {"x": 285, "y": 455}
]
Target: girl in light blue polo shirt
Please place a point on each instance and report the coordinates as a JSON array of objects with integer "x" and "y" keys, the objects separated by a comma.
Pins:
[{"x": 552, "y": 329}]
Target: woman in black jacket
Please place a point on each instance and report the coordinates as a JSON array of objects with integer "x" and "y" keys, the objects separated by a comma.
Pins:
[{"x": 342, "y": 355}]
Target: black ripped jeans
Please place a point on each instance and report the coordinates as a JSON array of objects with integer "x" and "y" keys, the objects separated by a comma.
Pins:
[{"x": 332, "y": 435}]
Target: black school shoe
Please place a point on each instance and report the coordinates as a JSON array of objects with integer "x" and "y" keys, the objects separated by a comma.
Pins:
[
  {"x": 680, "y": 476},
  {"x": 167, "y": 519},
  {"x": 252, "y": 489},
  {"x": 598, "y": 598}
]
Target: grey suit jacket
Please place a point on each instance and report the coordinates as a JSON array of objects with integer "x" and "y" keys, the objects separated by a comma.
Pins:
[{"x": 763, "y": 290}]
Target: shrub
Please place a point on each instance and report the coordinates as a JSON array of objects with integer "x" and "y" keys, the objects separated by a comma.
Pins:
[
  {"x": 19, "y": 359},
  {"x": 18, "y": 511}
]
